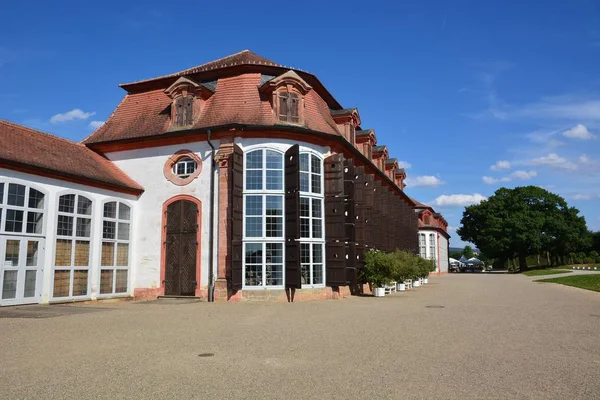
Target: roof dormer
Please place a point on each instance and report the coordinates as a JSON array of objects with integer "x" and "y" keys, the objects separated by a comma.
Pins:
[
  {"x": 187, "y": 96},
  {"x": 347, "y": 120},
  {"x": 380, "y": 154},
  {"x": 287, "y": 93}
]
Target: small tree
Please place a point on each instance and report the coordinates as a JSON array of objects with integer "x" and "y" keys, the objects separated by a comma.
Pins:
[
  {"x": 402, "y": 265},
  {"x": 594, "y": 256},
  {"x": 468, "y": 252},
  {"x": 377, "y": 269}
]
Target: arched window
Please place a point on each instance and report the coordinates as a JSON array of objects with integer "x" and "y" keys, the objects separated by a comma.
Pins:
[
  {"x": 72, "y": 252},
  {"x": 422, "y": 245},
  {"x": 311, "y": 219},
  {"x": 263, "y": 219},
  {"x": 432, "y": 247},
  {"x": 21, "y": 209},
  {"x": 114, "y": 262}
]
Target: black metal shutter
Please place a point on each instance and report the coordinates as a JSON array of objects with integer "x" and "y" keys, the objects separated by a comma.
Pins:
[
  {"x": 293, "y": 273},
  {"x": 237, "y": 214},
  {"x": 334, "y": 221}
]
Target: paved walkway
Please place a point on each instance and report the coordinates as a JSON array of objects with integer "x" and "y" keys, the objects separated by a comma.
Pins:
[{"x": 496, "y": 337}]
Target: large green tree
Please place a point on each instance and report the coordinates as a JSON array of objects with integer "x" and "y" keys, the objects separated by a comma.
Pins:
[
  {"x": 522, "y": 221},
  {"x": 468, "y": 252}
]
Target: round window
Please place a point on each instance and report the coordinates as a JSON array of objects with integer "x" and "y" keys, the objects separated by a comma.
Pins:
[{"x": 184, "y": 167}]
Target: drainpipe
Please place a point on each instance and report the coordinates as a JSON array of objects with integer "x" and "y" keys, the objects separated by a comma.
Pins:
[{"x": 211, "y": 241}]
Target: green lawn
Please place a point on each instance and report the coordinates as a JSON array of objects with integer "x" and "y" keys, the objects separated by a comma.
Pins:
[
  {"x": 589, "y": 281},
  {"x": 538, "y": 272}
]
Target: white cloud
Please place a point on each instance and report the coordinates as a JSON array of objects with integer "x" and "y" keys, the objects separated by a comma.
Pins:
[
  {"x": 582, "y": 196},
  {"x": 555, "y": 161},
  {"x": 451, "y": 228},
  {"x": 562, "y": 107},
  {"x": 458, "y": 199},
  {"x": 426, "y": 180},
  {"x": 74, "y": 114},
  {"x": 404, "y": 164},
  {"x": 500, "y": 165},
  {"x": 96, "y": 124},
  {"x": 517, "y": 175},
  {"x": 579, "y": 132}
]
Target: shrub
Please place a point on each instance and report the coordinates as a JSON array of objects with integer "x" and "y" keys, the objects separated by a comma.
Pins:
[
  {"x": 402, "y": 265},
  {"x": 594, "y": 256},
  {"x": 378, "y": 268}
]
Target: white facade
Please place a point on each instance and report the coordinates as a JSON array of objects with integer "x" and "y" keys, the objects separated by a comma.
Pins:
[
  {"x": 434, "y": 246},
  {"x": 28, "y": 256}
]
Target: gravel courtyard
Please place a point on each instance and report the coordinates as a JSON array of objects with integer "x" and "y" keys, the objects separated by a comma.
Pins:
[{"x": 496, "y": 337}]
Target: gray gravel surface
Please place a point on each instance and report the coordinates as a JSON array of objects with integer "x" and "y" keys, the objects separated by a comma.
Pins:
[{"x": 496, "y": 337}]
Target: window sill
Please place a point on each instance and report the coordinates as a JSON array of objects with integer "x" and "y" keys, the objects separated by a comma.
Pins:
[{"x": 258, "y": 288}]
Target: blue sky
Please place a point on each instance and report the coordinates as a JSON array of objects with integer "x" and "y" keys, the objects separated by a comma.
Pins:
[{"x": 472, "y": 96}]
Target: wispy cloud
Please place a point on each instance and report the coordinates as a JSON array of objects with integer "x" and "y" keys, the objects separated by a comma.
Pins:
[
  {"x": 96, "y": 124},
  {"x": 74, "y": 114},
  {"x": 578, "y": 132},
  {"x": 583, "y": 197},
  {"x": 458, "y": 200},
  {"x": 517, "y": 175},
  {"x": 555, "y": 161},
  {"x": 404, "y": 164},
  {"x": 425, "y": 180},
  {"x": 500, "y": 165}
]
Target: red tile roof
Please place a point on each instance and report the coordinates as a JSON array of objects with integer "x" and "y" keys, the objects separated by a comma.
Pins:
[
  {"x": 236, "y": 100},
  {"x": 27, "y": 149}
]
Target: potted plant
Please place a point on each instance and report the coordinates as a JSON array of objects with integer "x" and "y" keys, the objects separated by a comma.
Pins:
[
  {"x": 377, "y": 271},
  {"x": 400, "y": 261}
]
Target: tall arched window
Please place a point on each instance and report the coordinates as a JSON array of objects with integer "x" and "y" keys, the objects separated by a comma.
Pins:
[
  {"x": 422, "y": 245},
  {"x": 114, "y": 263},
  {"x": 263, "y": 219},
  {"x": 21, "y": 209},
  {"x": 72, "y": 253},
  {"x": 312, "y": 238},
  {"x": 432, "y": 247}
]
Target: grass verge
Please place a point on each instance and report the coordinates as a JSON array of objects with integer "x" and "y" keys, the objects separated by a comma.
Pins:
[
  {"x": 538, "y": 272},
  {"x": 588, "y": 282}
]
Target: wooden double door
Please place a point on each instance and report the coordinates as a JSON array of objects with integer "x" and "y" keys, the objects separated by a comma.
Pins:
[{"x": 182, "y": 248}]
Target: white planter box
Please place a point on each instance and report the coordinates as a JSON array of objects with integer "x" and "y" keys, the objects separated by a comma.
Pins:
[
  {"x": 416, "y": 283},
  {"x": 401, "y": 287},
  {"x": 379, "y": 292},
  {"x": 425, "y": 281}
]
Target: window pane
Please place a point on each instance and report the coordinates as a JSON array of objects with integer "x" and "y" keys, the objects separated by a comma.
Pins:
[
  {"x": 34, "y": 222},
  {"x": 121, "y": 281},
  {"x": 106, "y": 281},
  {"x": 254, "y": 226},
  {"x": 274, "y": 227},
  {"x": 11, "y": 254},
  {"x": 14, "y": 221},
  {"x": 274, "y": 180},
  {"x": 36, "y": 199},
  {"x": 80, "y": 282},
  {"x": 304, "y": 185},
  {"x": 1, "y": 192},
  {"x": 274, "y": 205},
  {"x": 82, "y": 253},
  {"x": 124, "y": 212},
  {"x": 253, "y": 253},
  {"x": 62, "y": 257},
  {"x": 274, "y": 160},
  {"x": 317, "y": 254},
  {"x": 9, "y": 285},
  {"x": 108, "y": 254},
  {"x": 316, "y": 208},
  {"x": 304, "y": 207},
  {"x": 304, "y": 162},
  {"x": 315, "y": 183},
  {"x": 274, "y": 253},
  {"x": 110, "y": 210},
  {"x": 317, "y": 274},
  {"x": 109, "y": 229},
  {"x": 122, "y": 254},
  {"x": 62, "y": 281},
  {"x": 274, "y": 275},
  {"x": 84, "y": 206},
  {"x": 304, "y": 227},
  {"x": 254, "y": 159},
  {"x": 253, "y": 275},
  {"x": 123, "y": 233},
  {"x": 84, "y": 227},
  {"x": 30, "y": 278},
  {"x": 315, "y": 164},
  {"x": 64, "y": 226},
  {"x": 317, "y": 231},
  {"x": 16, "y": 195},
  {"x": 274, "y": 267},
  {"x": 254, "y": 179},
  {"x": 66, "y": 203},
  {"x": 32, "y": 254},
  {"x": 305, "y": 263},
  {"x": 254, "y": 205}
]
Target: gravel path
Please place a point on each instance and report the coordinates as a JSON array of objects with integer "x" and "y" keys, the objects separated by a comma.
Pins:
[{"x": 496, "y": 337}]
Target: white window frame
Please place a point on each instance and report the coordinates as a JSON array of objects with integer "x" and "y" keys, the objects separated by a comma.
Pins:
[
  {"x": 116, "y": 241},
  {"x": 311, "y": 240},
  {"x": 74, "y": 238},
  {"x": 25, "y": 208},
  {"x": 263, "y": 239},
  {"x": 187, "y": 161},
  {"x": 423, "y": 245},
  {"x": 432, "y": 246}
]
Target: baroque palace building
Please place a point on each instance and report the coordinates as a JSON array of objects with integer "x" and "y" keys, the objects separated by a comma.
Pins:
[{"x": 236, "y": 179}]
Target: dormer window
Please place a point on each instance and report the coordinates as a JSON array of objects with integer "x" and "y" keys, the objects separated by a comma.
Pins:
[
  {"x": 184, "y": 111},
  {"x": 288, "y": 106},
  {"x": 184, "y": 167}
]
